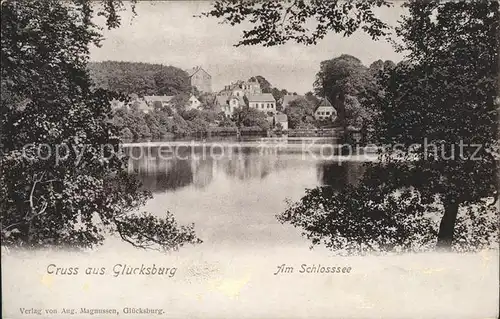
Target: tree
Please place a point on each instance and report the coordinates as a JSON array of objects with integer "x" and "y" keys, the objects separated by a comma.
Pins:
[
  {"x": 207, "y": 101},
  {"x": 312, "y": 98},
  {"x": 226, "y": 122},
  {"x": 250, "y": 117},
  {"x": 277, "y": 22},
  {"x": 300, "y": 113},
  {"x": 341, "y": 80},
  {"x": 444, "y": 92},
  {"x": 278, "y": 95},
  {"x": 170, "y": 80},
  {"x": 440, "y": 99},
  {"x": 446, "y": 96},
  {"x": 139, "y": 78},
  {"x": 179, "y": 102},
  {"x": 60, "y": 171},
  {"x": 264, "y": 84}
]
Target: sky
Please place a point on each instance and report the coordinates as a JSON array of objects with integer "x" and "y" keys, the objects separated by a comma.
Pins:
[{"x": 167, "y": 32}]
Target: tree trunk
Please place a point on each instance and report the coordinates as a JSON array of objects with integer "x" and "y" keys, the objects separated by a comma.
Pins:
[{"x": 447, "y": 225}]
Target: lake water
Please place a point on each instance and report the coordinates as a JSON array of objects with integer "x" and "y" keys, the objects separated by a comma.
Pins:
[
  {"x": 233, "y": 191},
  {"x": 233, "y": 199}
]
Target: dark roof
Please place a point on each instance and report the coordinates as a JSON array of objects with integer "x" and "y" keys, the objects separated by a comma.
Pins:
[
  {"x": 162, "y": 98},
  {"x": 195, "y": 70},
  {"x": 264, "y": 97},
  {"x": 324, "y": 102}
]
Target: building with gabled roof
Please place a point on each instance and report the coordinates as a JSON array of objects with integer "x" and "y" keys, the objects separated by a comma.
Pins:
[
  {"x": 200, "y": 79},
  {"x": 264, "y": 102},
  {"x": 164, "y": 100},
  {"x": 228, "y": 104},
  {"x": 325, "y": 110},
  {"x": 282, "y": 119},
  {"x": 242, "y": 88},
  {"x": 193, "y": 103}
]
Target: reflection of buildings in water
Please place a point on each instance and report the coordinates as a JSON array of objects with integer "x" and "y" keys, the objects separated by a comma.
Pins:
[
  {"x": 339, "y": 174},
  {"x": 203, "y": 172},
  {"x": 148, "y": 165},
  {"x": 178, "y": 175},
  {"x": 251, "y": 166},
  {"x": 158, "y": 174}
]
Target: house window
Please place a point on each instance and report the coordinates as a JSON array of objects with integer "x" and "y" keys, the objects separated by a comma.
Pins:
[
  {"x": 268, "y": 105},
  {"x": 327, "y": 113}
]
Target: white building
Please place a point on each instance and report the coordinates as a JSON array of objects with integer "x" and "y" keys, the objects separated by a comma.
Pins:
[
  {"x": 282, "y": 119},
  {"x": 241, "y": 88},
  {"x": 164, "y": 100},
  {"x": 229, "y": 104},
  {"x": 200, "y": 79},
  {"x": 325, "y": 111},
  {"x": 193, "y": 103},
  {"x": 263, "y": 102},
  {"x": 151, "y": 100}
]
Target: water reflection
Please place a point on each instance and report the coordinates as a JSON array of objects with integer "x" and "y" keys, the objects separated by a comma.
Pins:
[
  {"x": 198, "y": 168},
  {"x": 339, "y": 174}
]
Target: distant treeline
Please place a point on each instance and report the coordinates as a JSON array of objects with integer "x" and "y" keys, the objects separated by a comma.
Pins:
[
  {"x": 139, "y": 78},
  {"x": 163, "y": 123}
]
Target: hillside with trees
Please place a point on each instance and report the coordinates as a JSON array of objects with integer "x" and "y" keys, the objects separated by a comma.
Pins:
[{"x": 139, "y": 78}]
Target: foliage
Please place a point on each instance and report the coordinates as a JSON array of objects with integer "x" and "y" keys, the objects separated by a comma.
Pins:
[
  {"x": 300, "y": 113},
  {"x": 265, "y": 86},
  {"x": 312, "y": 98},
  {"x": 382, "y": 221},
  {"x": 139, "y": 78},
  {"x": 440, "y": 98},
  {"x": 250, "y": 117},
  {"x": 278, "y": 95},
  {"x": 179, "y": 102},
  {"x": 367, "y": 222},
  {"x": 207, "y": 101},
  {"x": 72, "y": 198},
  {"x": 226, "y": 122},
  {"x": 446, "y": 96},
  {"x": 444, "y": 92},
  {"x": 277, "y": 22},
  {"x": 348, "y": 84},
  {"x": 161, "y": 123}
]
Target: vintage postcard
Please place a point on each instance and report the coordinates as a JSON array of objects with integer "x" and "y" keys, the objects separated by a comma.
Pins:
[{"x": 250, "y": 159}]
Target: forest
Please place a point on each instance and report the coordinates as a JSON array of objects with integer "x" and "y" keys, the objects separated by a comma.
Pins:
[{"x": 139, "y": 78}]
